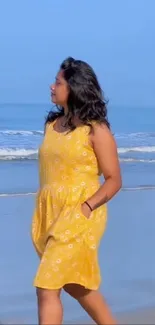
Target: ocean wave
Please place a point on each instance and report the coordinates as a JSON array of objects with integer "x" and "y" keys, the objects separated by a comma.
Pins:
[
  {"x": 18, "y": 154},
  {"x": 137, "y": 149},
  {"x": 139, "y": 188},
  {"x": 21, "y": 132},
  {"x": 17, "y": 194},
  {"x": 140, "y": 135},
  {"x": 137, "y": 160},
  {"x": 31, "y": 154},
  {"x": 136, "y": 135}
]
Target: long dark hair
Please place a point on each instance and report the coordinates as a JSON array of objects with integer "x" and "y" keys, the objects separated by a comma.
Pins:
[{"x": 85, "y": 101}]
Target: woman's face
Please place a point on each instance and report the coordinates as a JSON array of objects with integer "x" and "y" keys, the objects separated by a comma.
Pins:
[{"x": 59, "y": 90}]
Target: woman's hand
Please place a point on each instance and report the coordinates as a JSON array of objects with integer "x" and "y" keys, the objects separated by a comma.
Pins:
[{"x": 85, "y": 210}]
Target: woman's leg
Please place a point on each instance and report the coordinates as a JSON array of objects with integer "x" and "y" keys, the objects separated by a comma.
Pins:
[
  {"x": 50, "y": 309},
  {"x": 93, "y": 303}
]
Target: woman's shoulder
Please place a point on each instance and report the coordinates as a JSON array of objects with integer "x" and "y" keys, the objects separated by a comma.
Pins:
[{"x": 47, "y": 126}]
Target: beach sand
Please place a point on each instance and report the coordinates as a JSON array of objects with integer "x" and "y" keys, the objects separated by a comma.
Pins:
[
  {"x": 145, "y": 316},
  {"x": 126, "y": 260},
  {"x": 138, "y": 317}
]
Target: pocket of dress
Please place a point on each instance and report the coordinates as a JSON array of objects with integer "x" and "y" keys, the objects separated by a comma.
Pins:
[{"x": 82, "y": 214}]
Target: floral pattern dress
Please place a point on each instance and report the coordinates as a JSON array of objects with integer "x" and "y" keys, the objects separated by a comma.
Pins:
[{"x": 66, "y": 241}]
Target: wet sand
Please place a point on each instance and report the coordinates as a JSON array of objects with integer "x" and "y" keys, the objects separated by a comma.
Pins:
[
  {"x": 126, "y": 260},
  {"x": 138, "y": 316}
]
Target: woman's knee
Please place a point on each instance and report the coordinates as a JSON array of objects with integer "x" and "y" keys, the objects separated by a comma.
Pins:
[
  {"x": 50, "y": 309},
  {"x": 46, "y": 295}
]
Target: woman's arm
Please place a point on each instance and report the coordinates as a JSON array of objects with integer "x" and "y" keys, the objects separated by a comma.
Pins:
[{"x": 106, "y": 152}]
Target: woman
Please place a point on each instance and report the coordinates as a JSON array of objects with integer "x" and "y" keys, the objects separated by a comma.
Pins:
[{"x": 71, "y": 213}]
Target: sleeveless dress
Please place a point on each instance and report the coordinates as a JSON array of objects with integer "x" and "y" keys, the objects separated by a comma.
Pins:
[{"x": 65, "y": 239}]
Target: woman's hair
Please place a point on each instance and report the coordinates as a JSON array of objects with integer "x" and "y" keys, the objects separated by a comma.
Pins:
[{"x": 85, "y": 99}]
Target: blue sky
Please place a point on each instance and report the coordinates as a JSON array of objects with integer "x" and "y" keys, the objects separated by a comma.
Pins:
[{"x": 115, "y": 36}]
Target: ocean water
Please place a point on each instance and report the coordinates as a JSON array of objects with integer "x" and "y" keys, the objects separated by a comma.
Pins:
[
  {"x": 21, "y": 133},
  {"x": 126, "y": 252}
]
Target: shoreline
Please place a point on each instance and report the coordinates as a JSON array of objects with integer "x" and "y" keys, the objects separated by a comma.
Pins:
[{"x": 124, "y": 189}]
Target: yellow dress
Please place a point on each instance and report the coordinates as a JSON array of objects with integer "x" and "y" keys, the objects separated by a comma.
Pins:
[{"x": 66, "y": 241}]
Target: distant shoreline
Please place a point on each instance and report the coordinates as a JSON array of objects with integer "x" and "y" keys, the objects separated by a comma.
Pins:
[{"x": 138, "y": 188}]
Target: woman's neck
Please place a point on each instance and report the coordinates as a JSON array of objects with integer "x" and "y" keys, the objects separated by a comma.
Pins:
[{"x": 65, "y": 110}]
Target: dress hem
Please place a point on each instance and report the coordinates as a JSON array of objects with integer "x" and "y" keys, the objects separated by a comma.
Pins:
[{"x": 65, "y": 283}]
